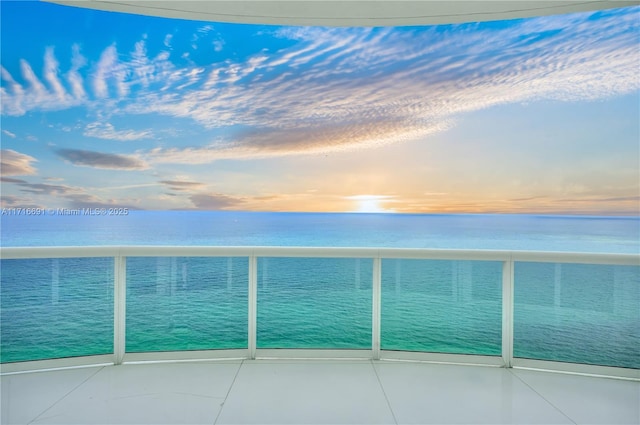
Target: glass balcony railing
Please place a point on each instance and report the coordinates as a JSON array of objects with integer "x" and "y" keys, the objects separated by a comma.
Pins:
[
  {"x": 58, "y": 307},
  {"x": 322, "y": 303},
  {"x": 442, "y": 306},
  {"x": 578, "y": 313},
  {"x": 506, "y": 308},
  {"x": 186, "y": 303}
]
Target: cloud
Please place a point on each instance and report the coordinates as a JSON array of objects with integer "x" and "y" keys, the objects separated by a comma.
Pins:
[
  {"x": 85, "y": 200},
  {"x": 14, "y": 163},
  {"x": 11, "y": 201},
  {"x": 369, "y": 197},
  {"x": 47, "y": 189},
  {"x": 101, "y": 160},
  {"x": 214, "y": 201},
  {"x": 10, "y": 134},
  {"x": 286, "y": 142},
  {"x": 104, "y": 67},
  {"x": 204, "y": 30},
  {"x": 635, "y": 199},
  {"x": 12, "y": 97},
  {"x": 345, "y": 88},
  {"x": 51, "y": 75},
  {"x": 180, "y": 185},
  {"x": 17, "y": 99},
  {"x": 11, "y": 180},
  {"x": 108, "y": 132},
  {"x": 73, "y": 76},
  {"x": 336, "y": 89},
  {"x": 167, "y": 40},
  {"x": 76, "y": 197},
  {"x": 108, "y": 69},
  {"x": 218, "y": 45},
  {"x": 31, "y": 78},
  {"x": 44, "y": 188},
  {"x": 207, "y": 31}
]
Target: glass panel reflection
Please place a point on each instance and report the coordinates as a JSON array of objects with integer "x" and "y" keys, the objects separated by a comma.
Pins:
[
  {"x": 442, "y": 306},
  {"x": 578, "y": 313},
  {"x": 55, "y": 308},
  {"x": 186, "y": 303},
  {"x": 314, "y": 303}
]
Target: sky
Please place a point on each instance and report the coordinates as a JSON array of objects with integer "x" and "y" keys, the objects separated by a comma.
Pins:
[{"x": 535, "y": 116}]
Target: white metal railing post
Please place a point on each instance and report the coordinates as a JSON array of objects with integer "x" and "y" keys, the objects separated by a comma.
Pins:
[
  {"x": 375, "y": 308},
  {"x": 507, "y": 311},
  {"x": 253, "y": 305},
  {"x": 119, "y": 307}
]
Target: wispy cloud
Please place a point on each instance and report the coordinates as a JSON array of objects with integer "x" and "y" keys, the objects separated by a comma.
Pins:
[
  {"x": 11, "y": 180},
  {"x": 75, "y": 197},
  {"x": 32, "y": 80},
  {"x": 337, "y": 89},
  {"x": 181, "y": 185},
  {"x": 11, "y": 97},
  {"x": 8, "y": 133},
  {"x": 14, "y": 163},
  {"x": 8, "y": 201},
  {"x": 51, "y": 75},
  {"x": 343, "y": 88},
  {"x": 167, "y": 40},
  {"x": 44, "y": 188},
  {"x": 101, "y": 160},
  {"x": 208, "y": 33},
  {"x": 75, "y": 79},
  {"x": 87, "y": 200},
  {"x": 586, "y": 204},
  {"x": 281, "y": 142},
  {"x": 17, "y": 99},
  {"x": 108, "y": 69},
  {"x": 214, "y": 201},
  {"x": 107, "y": 131}
]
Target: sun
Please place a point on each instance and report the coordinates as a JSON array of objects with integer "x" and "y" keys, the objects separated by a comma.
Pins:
[{"x": 370, "y": 203}]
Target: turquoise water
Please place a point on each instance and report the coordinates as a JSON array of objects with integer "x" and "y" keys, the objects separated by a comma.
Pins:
[
  {"x": 579, "y": 313},
  {"x": 186, "y": 303},
  {"x": 314, "y": 303},
  {"x": 568, "y": 312},
  {"x": 55, "y": 308},
  {"x": 442, "y": 306}
]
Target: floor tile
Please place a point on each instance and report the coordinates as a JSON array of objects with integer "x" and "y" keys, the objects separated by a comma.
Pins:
[
  {"x": 163, "y": 408},
  {"x": 445, "y": 394},
  {"x": 314, "y": 391},
  {"x": 27, "y": 395},
  {"x": 305, "y": 392},
  {"x": 588, "y": 400},
  {"x": 185, "y": 393}
]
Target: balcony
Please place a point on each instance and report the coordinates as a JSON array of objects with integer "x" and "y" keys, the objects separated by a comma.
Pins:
[{"x": 328, "y": 335}]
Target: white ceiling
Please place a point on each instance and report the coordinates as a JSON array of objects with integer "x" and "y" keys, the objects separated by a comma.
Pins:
[{"x": 348, "y": 12}]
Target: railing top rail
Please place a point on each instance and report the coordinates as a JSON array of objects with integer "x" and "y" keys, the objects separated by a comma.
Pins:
[{"x": 329, "y": 252}]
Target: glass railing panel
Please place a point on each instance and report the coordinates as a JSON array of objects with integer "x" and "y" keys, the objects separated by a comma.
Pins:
[
  {"x": 322, "y": 303},
  {"x": 441, "y": 306},
  {"x": 577, "y": 313},
  {"x": 186, "y": 303},
  {"x": 55, "y": 308}
]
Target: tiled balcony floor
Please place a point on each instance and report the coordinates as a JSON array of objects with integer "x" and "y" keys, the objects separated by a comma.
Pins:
[{"x": 314, "y": 391}]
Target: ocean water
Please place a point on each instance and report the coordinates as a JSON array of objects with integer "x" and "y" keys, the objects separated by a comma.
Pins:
[
  {"x": 511, "y": 232},
  {"x": 52, "y": 308}
]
